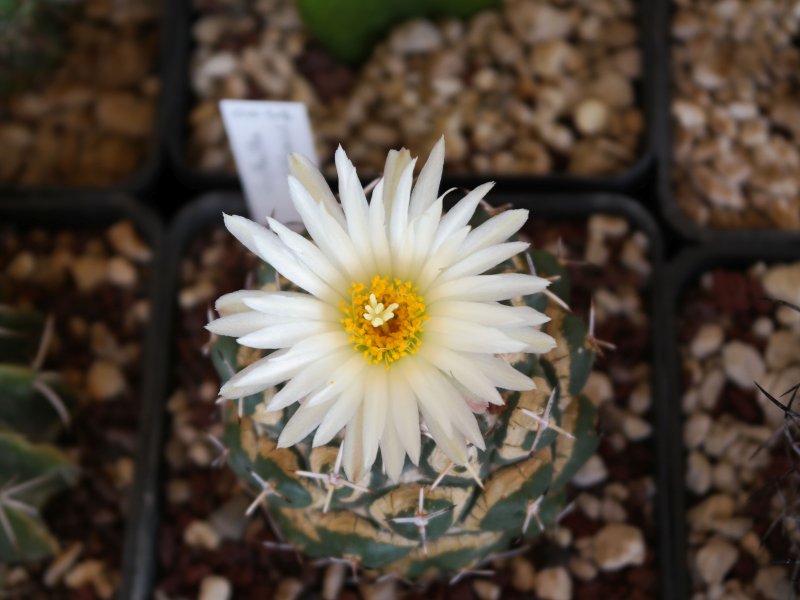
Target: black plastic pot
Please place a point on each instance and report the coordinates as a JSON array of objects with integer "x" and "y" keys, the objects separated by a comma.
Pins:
[
  {"x": 681, "y": 274},
  {"x": 182, "y": 99},
  {"x": 661, "y": 127},
  {"x": 205, "y": 214},
  {"x": 74, "y": 211},
  {"x": 141, "y": 181}
]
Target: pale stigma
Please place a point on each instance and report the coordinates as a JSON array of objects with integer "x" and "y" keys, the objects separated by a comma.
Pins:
[{"x": 376, "y": 313}]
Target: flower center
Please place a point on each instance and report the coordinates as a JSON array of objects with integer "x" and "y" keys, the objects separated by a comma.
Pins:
[{"x": 384, "y": 321}]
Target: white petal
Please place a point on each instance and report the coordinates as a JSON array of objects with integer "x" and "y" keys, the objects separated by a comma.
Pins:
[
  {"x": 356, "y": 211},
  {"x": 458, "y": 216},
  {"x": 398, "y": 223},
  {"x": 392, "y": 453},
  {"x": 427, "y": 186},
  {"x": 396, "y": 162},
  {"x": 502, "y": 374},
  {"x": 377, "y": 230},
  {"x": 308, "y": 380},
  {"x": 457, "y": 409},
  {"x": 459, "y": 366},
  {"x": 428, "y": 402},
  {"x": 243, "y": 230},
  {"x": 340, "y": 414},
  {"x": 329, "y": 236},
  {"x": 535, "y": 340},
  {"x": 452, "y": 444},
  {"x": 339, "y": 380},
  {"x": 424, "y": 230},
  {"x": 487, "y": 288},
  {"x": 270, "y": 249},
  {"x": 303, "y": 422},
  {"x": 311, "y": 179},
  {"x": 285, "y": 335},
  {"x": 441, "y": 258},
  {"x": 353, "y": 451},
  {"x": 465, "y": 336},
  {"x": 376, "y": 400},
  {"x": 491, "y": 314},
  {"x": 315, "y": 347},
  {"x": 239, "y": 324},
  {"x": 283, "y": 364},
  {"x": 292, "y": 305},
  {"x": 234, "y": 302},
  {"x": 404, "y": 415},
  {"x": 495, "y": 230},
  {"x": 312, "y": 257},
  {"x": 260, "y": 375},
  {"x": 483, "y": 260},
  {"x": 404, "y": 255}
]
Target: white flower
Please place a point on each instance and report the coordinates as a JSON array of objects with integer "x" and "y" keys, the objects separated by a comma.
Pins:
[{"x": 397, "y": 321}]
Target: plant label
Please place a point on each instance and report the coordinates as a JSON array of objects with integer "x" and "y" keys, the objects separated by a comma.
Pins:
[{"x": 262, "y": 134}]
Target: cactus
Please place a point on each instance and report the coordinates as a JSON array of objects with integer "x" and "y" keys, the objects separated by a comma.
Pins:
[
  {"x": 350, "y": 28},
  {"x": 438, "y": 518},
  {"x": 34, "y": 408},
  {"x": 32, "y": 37}
]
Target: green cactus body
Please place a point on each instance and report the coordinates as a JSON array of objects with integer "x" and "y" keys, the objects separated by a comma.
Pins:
[
  {"x": 19, "y": 333},
  {"x": 521, "y": 486},
  {"x": 31, "y": 470},
  {"x": 350, "y": 28}
]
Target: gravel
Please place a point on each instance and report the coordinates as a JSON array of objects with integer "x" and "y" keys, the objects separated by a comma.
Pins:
[
  {"x": 732, "y": 497},
  {"x": 534, "y": 87},
  {"x": 736, "y": 121},
  {"x": 91, "y": 122}
]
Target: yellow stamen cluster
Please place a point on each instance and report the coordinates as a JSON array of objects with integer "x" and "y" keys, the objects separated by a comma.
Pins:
[{"x": 384, "y": 322}]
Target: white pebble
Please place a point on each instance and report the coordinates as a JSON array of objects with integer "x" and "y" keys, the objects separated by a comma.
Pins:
[
  {"x": 591, "y": 473},
  {"x": 743, "y": 364},
  {"x": 773, "y": 584},
  {"x": 591, "y": 116},
  {"x": 121, "y": 272},
  {"x": 214, "y": 587},
  {"x": 333, "y": 581},
  {"x": 636, "y": 429},
  {"x": 200, "y": 534},
  {"x": 486, "y": 590},
  {"x": 782, "y": 350},
  {"x": 695, "y": 430},
  {"x": 617, "y": 546},
  {"x": 553, "y": 584},
  {"x": 715, "y": 559},
  {"x": 698, "y": 473},
  {"x": 707, "y": 340},
  {"x": 104, "y": 380}
]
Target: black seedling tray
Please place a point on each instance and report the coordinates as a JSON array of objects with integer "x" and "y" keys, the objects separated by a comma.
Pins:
[
  {"x": 72, "y": 211},
  {"x": 181, "y": 99},
  {"x": 206, "y": 213},
  {"x": 682, "y": 273}
]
